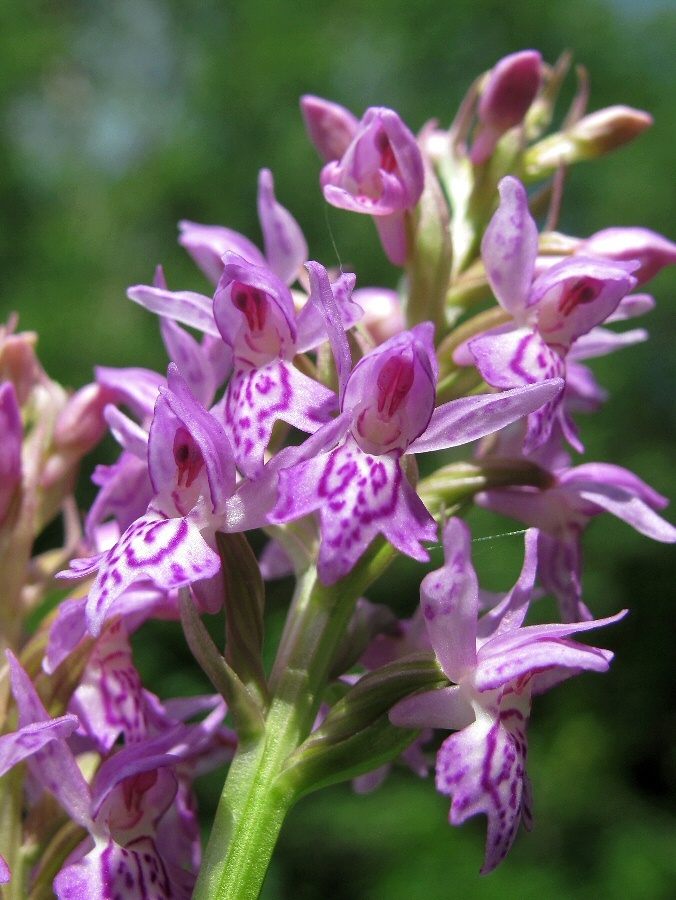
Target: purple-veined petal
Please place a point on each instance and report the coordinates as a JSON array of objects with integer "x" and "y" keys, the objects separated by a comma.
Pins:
[
  {"x": 249, "y": 507},
  {"x": 109, "y": 700},
  {"x": 449, "y": 602},
  {"x": 607, "y": 473},
  {"x": 53, "y": 764},
  {"x": 509, "y": 248},
  {"x": 358, "y": 496},
  {"x": 5, "y": 874},
  {"x": 483, "y": 768},
  {"x": 285, "y": 247},
  {"x": 208, "y": 244},
  {"x": 464, "y": 420},
  {"x": 188, "y": 307},
  {"x": 256, "y": 398},
  {"x": 515, "y": 358},
  {"x": 109, "y": 871},
  {"x": 170, "y": 552},
  {"x": 446, "y": 708},
  {"x": 536, "y": 656},
  {"x": 560, "y": 574}
]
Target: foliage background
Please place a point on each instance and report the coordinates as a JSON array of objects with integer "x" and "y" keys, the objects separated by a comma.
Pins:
[{"x": 119, "y": 117}]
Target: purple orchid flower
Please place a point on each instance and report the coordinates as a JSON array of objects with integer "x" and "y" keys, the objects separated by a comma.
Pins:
[
  {"x": 496, "y": 665},
  {"x": 192, "y": 473},
  {"x": 550, "y": 313},
  {"x": 379, "y": 173},
  {"x": 359, "y": 487},
  {"x": 255, "y": 314},
  {"x": 562, "y": 511}
]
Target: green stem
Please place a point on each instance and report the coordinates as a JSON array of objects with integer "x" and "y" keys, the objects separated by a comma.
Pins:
[{"x": 254, "y": 802}]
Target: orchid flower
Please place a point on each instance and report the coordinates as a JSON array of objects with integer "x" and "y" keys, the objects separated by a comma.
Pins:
[
  {"x": 496, "y": 665},
  {"x": 380, "y": 172},
  {"x": 562, "y": 511},
  {"x": 549, "y": 314},
  {"x": 359, "y": 487},
  {"x": 193, "y": 476}
]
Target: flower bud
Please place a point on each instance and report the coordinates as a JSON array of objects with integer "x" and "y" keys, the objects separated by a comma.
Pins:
[
  {"x": 18, "y": 362},
  {"x": 10, "y": 447},
  {"x": 511, "y": 88},
  {"x": 330, "y": 126},
  {"x": 591, "y": 136},
  {"x": 81, "y": 424}
]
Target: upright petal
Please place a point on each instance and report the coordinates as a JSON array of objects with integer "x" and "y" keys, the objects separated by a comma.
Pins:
[
  {"x": 285, "y": 247},
  {"x": 509, "y": 248}
]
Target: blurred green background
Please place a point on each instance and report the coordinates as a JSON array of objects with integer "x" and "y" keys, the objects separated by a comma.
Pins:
[{"x": 120, "y": 117}]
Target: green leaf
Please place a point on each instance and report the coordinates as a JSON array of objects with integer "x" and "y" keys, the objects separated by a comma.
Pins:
[
  {"x": 357, "y": 736},
  {"x": 244, "y": 609},
  {"x": 243, "y": 705}
]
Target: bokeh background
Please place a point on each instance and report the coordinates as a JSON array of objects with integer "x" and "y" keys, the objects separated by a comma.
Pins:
[{"x": 120, "y": 117}]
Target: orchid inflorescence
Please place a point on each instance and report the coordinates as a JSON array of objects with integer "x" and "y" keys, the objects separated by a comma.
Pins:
[{"x": 296, "y": 403}]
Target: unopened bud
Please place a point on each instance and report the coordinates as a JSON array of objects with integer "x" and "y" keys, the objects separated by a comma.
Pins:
[
  {"x": 511, "y": 88},
  {"x": 18, "y": 362},
  {"x": 81, "y": 424},
  {"x": 10, "y": 447},
  {"x": 330, "y": 126},
  {"x": 592, "y": 136}
]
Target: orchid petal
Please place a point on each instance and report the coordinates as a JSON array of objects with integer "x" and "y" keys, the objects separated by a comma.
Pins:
[
  {"x": 285, "y": 247},
  {"x": 449, "y": 601},
  {"x": 509, "y": 248},
  {"x": 446, "y": 708},
  {"x": 323, "y": 299},
  {"x": 464, "y": 420},
  {"x": 483, "y": 768},
  {"x": 187, "y": 307},
  {"x": 170, "y": 552},
  {"x": 208, "y": 244},
  {"x": 54, "y": 764}
]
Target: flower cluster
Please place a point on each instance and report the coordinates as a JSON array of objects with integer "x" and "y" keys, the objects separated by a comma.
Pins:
[{"x": 297, "y": 403}]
